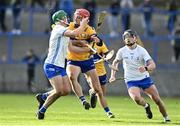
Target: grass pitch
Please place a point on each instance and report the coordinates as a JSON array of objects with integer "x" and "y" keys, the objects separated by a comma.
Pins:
[{"x": 20, "y": 109}]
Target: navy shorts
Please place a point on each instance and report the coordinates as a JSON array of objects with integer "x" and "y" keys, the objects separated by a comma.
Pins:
[
  {"x": 103, "y": 79},
  {"x": 85, "y": 65},
  {"x": 52, "y": 70},
  {"x": 144, "y": 83}
]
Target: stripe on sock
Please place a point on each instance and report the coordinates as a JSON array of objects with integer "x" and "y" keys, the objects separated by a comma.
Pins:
[
  {"x": 106, "y": 109},
  {"x": 42, "y": 109}
]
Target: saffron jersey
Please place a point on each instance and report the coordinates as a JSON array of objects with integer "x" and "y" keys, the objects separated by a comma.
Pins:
[
  {"x": 84, "y": 36},
  {"x": 100, "y": 68}
]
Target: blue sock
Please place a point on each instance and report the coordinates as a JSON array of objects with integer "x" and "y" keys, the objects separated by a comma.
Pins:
[
  {"x": 42, "y": 109},
  {"x": 82, "y": 98},
  {"x": 106, "y": 109},
  {"x": 44, "y": 96}
]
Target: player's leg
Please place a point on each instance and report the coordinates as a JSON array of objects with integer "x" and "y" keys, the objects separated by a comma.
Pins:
[
  {"x": 65, "y": 91},
  {"x": 59, "y": 88},
  {"x": 73, "y": 73},
  {"x": 177, "y": 53},
  {"x": 92, "y": 93},
  {"x": 103, "y": 82},
  {"x": 134, "y": 93},
  {"x": 97, "y": 88},
  {"x": 57, "y": 85},
  {"x": 41, "y": 97},
  {"x": 154, "y": 95},
  {"x": 66, "y": 85},
  {"x": 30, "y": 77},
  {"x": 103, "y": 87}
]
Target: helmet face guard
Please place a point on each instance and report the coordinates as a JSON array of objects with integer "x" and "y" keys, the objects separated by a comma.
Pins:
[
  {"x": 128, "y": 37},
  {"x": 129, "y": 33}
]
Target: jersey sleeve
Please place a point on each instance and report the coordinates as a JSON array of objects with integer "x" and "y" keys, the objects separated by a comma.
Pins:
[
  {"x": 91, "y": 30},
  {"x": 60, "y": 30},
  {"x": 119, "y": 55},
  {"x": 71, "y": 26},
  {"x": 146, "y": 55},
  {"x": 104, "y": 48}
]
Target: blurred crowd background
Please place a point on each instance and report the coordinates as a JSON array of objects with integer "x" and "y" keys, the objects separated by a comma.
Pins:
[{"x": 25, "y": 27}]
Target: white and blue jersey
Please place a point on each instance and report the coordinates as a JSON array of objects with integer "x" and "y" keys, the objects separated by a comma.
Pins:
[
  {"x": 132, "y": 60},
  {"x": 55, "y": 62},
  {"x": 58, "y": 44}
]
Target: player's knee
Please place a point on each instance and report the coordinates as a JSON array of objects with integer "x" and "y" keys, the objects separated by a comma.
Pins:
[
  {"x": 72, "y": 78},
  {"x": 66, "y": 92},
  {"x": 57, "y": 94},
  {"x": 98, "y": 91}
]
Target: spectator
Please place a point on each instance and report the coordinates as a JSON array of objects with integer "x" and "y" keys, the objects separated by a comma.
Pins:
[
  {"x": 53, "y": 6},
  {"x": 31, "y": 60},
  {"x": 67, "y": 6},
  {"x": 176, "y": 45},
  {"x": 3, "y": 73},
  {"x": 91, "y": 6},
  {"x": 126, "y": 5},
  {"x": 3, "y": 6},
  {"x": 40, "y": 2},
  {"x": 172, "y": 8},
  {"x": 43, "y": 58},
  {"x": 113, "y": 18},
  {"x": 16, "y": 10},
  {"x": 147, "y": 17}
]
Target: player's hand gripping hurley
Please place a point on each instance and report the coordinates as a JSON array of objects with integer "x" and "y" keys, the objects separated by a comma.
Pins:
[{"x": 109, "y": 64}]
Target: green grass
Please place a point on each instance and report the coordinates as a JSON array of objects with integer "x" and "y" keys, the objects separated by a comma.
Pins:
[{"x": 17, "y": 110}]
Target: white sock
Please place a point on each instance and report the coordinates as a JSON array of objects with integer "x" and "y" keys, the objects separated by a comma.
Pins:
[
  {"x": 167, "y": 117},
  {"x": 146, "y": 105}
]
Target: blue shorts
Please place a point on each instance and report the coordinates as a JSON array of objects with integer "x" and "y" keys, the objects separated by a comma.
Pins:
[
  {"x": 52, "y": 70},
  {"x": 103, "y": 79},
  {"x": 85, "y": 65},
  {"x": 144, "y": 83}
]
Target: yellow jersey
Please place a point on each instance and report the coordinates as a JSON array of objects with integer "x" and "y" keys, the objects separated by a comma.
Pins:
[
  {"x": 100, "y": 68},
  {"x": 84, "y": 36}
]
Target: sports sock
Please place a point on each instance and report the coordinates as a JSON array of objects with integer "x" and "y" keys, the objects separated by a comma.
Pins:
[
  {"x": 45, "y": 95},
  {"x": 82, "y": 98},
  {"x": 106, "y": 109},
  {"x": 42, "y": 109},
  {"x": 166, "y": 117},
  {"x": 146, "y": 105}
]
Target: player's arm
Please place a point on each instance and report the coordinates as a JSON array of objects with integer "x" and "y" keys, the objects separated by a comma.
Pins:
[
  {"x": 115, "y": 64},
  {"x": 104, "y": 49},
  {"x": 104, "y": 52},
  {"x": 113, "y": 72},
  {"x": 150, "y": 66},
  {"x": 95, "y": 38},
  {"x": 79, "y": 30},
  {"x": 79, "y": 43},
  {"x": 76, "y": 49}
]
